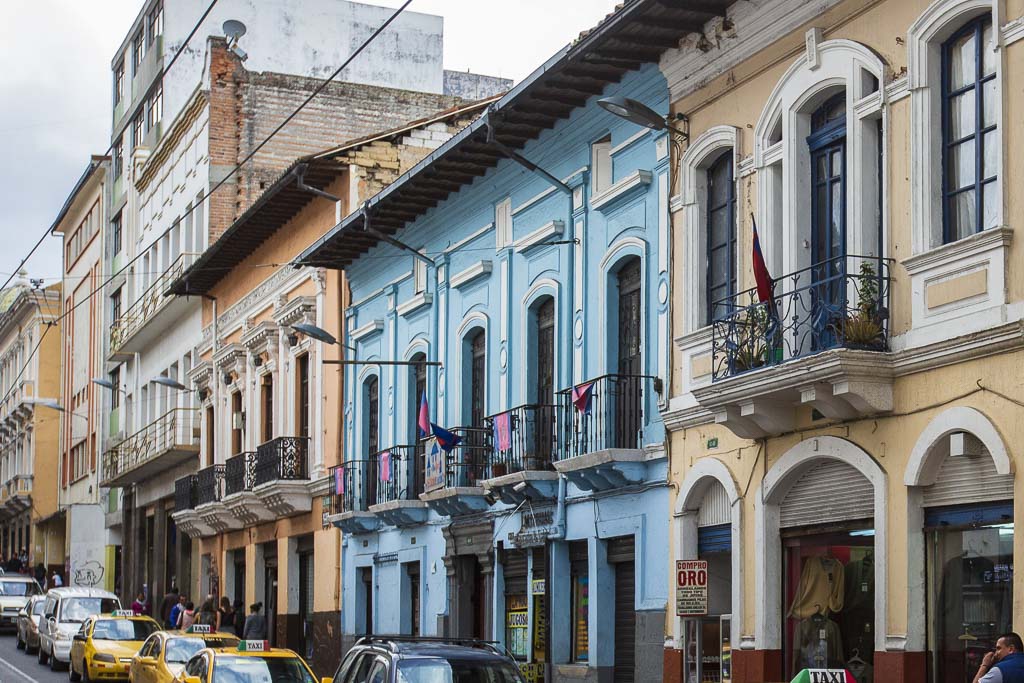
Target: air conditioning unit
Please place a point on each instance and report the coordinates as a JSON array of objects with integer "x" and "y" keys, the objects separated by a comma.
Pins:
[{"x": 238, "y": 420}]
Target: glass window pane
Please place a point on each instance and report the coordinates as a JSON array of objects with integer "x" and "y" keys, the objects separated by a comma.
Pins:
[
  {"x": 719, "y": 266},
  {"x": 989, "y": 103},
  {"x": 960, "y": 166},
  {"x": 719, "y": 227},
  {"x": 961, "y": 116},
  {"x": 988, "y": 56},
  {"x": 837, "y": 219},
  {"x": 990, "y": 205},
  {"x": 990, "y": 151},
  {"x": 962, "y": 215},
  {"x": 821, "y": 229},
  {"x": 837, "y": 163},
  {"x": 822, "y": 171},
  {"x": 961, "y": 61}
]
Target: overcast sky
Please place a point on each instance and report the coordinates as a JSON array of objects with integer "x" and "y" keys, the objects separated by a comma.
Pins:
[{"x": 55, "y": 90}]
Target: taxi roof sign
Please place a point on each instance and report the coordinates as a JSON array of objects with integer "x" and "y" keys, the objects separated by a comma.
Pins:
[
  {"x": 254, "y": 646},
  {"x": 123, "y": 613},
  {"x": 199, "y": 628}
]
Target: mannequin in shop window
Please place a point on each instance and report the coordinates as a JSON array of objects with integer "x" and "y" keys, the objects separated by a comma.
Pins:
[{"x": 819, "y": 641}]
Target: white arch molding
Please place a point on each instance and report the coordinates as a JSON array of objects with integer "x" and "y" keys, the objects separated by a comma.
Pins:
[
  {"x": 475, "y": 319},
  {"x": 777, "y": 482},
  {"x": 704, "y": 473},
  {"x": 542, "y": 287},
  {"x": 622, "y": 248}
]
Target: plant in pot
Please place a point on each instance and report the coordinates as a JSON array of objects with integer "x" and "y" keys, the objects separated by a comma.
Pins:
[
  {"x": 755, "y": 341},
  {"x": 863, "y": 326}
]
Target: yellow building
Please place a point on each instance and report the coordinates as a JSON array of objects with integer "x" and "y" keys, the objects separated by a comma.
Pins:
[
  {"x": 30, "y": 522},
  {"x": 844, "y": 443},
  {"x": 271, "y": 427}
]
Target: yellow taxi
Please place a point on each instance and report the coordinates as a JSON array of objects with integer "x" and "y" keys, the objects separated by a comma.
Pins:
[
  {"x": 164, "y": 654},
  {"x": 103, "y": 648},
  {"x": 251, "y": 661}
]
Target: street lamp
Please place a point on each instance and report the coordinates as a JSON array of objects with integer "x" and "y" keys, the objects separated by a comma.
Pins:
[
  {"x": 170, "y": 382},
  {"x": 639, "y": 113},
  {"x": 319, "y": 334},
  {"x": 107, "y": 384},
  {"x": 50, "y": 403}
]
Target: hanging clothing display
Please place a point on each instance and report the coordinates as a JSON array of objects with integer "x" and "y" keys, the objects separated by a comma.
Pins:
[
  {"x": 858, "y": 616},
  {"x": 820, "y": 590},
  {"x": 819, "y": 644}
]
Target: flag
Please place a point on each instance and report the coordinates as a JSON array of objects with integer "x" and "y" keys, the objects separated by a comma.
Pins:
[
  {"x": 765, "y": 285},
  {"x": 423, "y": 421},
  {"x": 583, "y": 397},
  {"x": 445, "y": 439},
  {"x": 385, "y": 466},
  {"x": 339, "y": 481},
  {"x": 503, "y": 431}
]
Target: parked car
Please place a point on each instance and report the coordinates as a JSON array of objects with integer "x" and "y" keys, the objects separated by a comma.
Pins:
[
  {"x": 249, "y": 661},
  {"x": 164, "y": 655},
  {"x": 388, "y": 659},
  {"x": 15, "y": 590},
  {"x": 28, "y": 624},
  {"x": 104, "y": 646},
  {"x": 64, "y": 612}
]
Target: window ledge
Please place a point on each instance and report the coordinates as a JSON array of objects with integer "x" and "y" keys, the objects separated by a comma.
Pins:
[
  {"x": 368, "y": 330},
  {"x": 417, "y": 302},
  {"x": 471, "y": 274},
  {"x": 636, "y": 180},
  {"x": 994, "y": 238},
  {"x": 539, "y": 236}
]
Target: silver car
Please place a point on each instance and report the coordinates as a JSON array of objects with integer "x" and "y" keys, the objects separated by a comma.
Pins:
[
  {"x": 28, "y": 624},
  {"x": 15, "y": 590},
  {"x": 64, "y": 612}
]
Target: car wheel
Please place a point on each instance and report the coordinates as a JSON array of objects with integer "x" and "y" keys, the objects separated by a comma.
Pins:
[
  {"x": 41, "y": 654},
  {"x": 72, "y": 676},
  {"x": 29, "y": 650},
  {"x": 20, "y": 644}
]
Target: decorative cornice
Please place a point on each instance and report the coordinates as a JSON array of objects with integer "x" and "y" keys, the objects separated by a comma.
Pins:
[
  {"x": 955, "y": 251},
  {"x": 639, "y": 178},
  {"x": 417, "y": 302},
  {"x": 231, "y": 357},
  {"x": 477, "y": 270},
  {"x": 257, "y": 299},
  {"x": 262, "y": 338},
  {"x": 539, "y": 236},
  {"x": 369, "y": 329},
  {"x": 300, "y": 309},
  {"x": 201, "y": 374}
]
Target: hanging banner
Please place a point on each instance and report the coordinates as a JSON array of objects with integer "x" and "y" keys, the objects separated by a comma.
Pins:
[
  {"x": 433, "y": 465},
  {"x": 691, "y": 588}
]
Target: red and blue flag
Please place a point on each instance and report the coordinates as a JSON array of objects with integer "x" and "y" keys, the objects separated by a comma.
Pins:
[
  {"x": 445, "y": 439},
  {"x": 423, "y": 421}
]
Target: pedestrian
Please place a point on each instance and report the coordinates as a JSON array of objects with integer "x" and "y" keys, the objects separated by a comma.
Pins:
[
  {"x": 168, "y": 603},
  {"x": 1005, "y": 664},
  {"x": 40, "y": 575},
  {"x": 175, "y": 616},
  {"x": 255, "y": 623},
  {"x": 139, "y": 606},
  {"x": 239, "y": 615},
  {"x": 225, "y": 616},
  {"x": 207, "y": 613},
  {"x": 187, "y": 616},
  {"x": 56, "y": 581}
]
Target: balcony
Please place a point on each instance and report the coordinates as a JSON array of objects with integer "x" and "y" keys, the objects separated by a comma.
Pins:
[
  {"x": 395, "y": 479},
  {"x": 526, "y": 439},
  {"x": 16, "y": 495},
  {"x": 239, "y": 499},
  {"x": 209, "y": 500},
  {"x": 453, "y": 482},
  {"x": 817, "y": 346},
  {"x": 281, "y": 478},
  {"x": 347, "y": 506},
  {"x": 151, "y": 313},
  {"x": 185, "y": 516},
  {"x": 602, "y": 431},
  {"x": 170, "y": 440}
]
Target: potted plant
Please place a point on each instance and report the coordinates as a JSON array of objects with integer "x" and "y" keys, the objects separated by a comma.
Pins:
[{"x": 863, "y": 327}]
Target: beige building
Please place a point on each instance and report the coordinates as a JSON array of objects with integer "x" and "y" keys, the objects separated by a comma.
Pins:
[
  {"x": 30, "y": 423},
  {"x": 844, "y": 445}
]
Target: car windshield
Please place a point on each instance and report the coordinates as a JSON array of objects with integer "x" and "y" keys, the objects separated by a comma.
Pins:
[
  {"x": 21, "y": 589},
  {"x": 456, "y": 671},
  {"x": 232, "y": 669},
  {"x": 37, "y": 608},
  {"x": 180, "y": 650},
  {"x": 123, "y": 629},
  {"x": 79, "y": 609}
]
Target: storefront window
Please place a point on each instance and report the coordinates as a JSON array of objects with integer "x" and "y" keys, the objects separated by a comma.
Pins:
[
  {"x": 970, "y": 586},
  {"x": 706, "y": 646},
  {"x": 580, "y": 601},
  {"x": 830, "y": 602}
]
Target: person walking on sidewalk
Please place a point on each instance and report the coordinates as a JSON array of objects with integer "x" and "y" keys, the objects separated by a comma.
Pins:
[{"x": 255, "y": 624}]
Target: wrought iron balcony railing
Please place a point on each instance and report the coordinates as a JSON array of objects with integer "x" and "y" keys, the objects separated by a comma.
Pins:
[
  {"x": 346, "y": 488},
  {"x": 282, "y": 459},
  {"x": 210, "y": 484},
  {"x": 525, "y": 438},
  {"x": 395, "y": 473},
  {"x": 840, "y": 303},
  {"x": 239, "y": 473},
  {"x": 172, "y": 430},
  {"x": 469, "y": 463},
  {"x": 149, "y": 303},
  {"x": 186, "y": 493},
  {"x": 603, "y": 413}
]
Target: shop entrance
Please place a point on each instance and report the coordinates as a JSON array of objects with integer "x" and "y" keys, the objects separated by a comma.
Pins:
[
  {"x": 470, "y": 607},
  {"x": 270, "y": 590},
  {"x": 621, "y": 555}
]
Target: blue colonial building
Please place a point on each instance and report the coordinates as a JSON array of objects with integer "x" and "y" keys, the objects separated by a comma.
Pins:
[{"x": 517, "y": 283}]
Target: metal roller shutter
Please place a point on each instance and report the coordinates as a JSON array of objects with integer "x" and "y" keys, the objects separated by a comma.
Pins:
[
  {"x": 714, "y": 507},
  {"x": 830, "y": 491},
  {"x": 515, "y": 565},
  {"x": 967, "y": 479},
  {"x": 621, "y": 553}
]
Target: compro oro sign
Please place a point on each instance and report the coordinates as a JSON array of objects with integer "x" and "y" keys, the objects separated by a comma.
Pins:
[{"x": 691, "y": 588}]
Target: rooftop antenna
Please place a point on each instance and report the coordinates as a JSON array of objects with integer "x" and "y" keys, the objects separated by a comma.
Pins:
[{"x": 233, "y": 30}]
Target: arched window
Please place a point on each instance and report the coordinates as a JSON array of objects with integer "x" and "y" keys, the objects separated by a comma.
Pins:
[
  {"x": 544, "y": 352},
  {"x": 721, "y": 235},
  {"x": 371, "y": 402},
  {"x": 971, "y": 146},
  {"x": 417, "y": 389},
  {"x": 827, "y": 147},
  {"x": 629, "y": 361},
  {"x": 478, "y": 378}
]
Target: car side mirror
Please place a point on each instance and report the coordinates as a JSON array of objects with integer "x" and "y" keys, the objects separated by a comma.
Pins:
[
  {"x": 326, "y": 679},
  {"x": 80, "y": 637},
  {"x": 22, "y": 613}
]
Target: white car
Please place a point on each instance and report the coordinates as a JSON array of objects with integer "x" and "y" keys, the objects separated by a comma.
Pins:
[
  {"x": 64, "y": 612},
  {"x": 15, "y": 590}
]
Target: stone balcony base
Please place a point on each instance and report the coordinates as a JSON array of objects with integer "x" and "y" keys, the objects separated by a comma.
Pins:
[
  {"x": 189, "y": 523},
  {"x": 361, "y": 522},
  {"x": 285, "y": 497},
  {"x": 217, "y": 517},
  {"x": 247, "y": 508},
  {"x": 606, "y": 469},
  {"x": 457, "y": 500},
  {"x": 401, "y": 513},
  {"x": 514, "y": 488}
]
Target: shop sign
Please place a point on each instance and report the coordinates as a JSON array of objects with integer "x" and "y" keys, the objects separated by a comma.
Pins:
[
  {"x": 691, "y": 588},
  {"x": 823, "y": 676},
  {"x": 538, "y": 588},
  {"x": 518, "y": 620},
  {"x": 516, "y": 603},
  {"x": 433, "y": 466}
]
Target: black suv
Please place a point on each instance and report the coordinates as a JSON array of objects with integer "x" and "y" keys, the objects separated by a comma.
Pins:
[{"x": 411, "y": 659}]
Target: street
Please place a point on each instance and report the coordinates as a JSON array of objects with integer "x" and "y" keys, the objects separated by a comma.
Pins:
[{"x": 18, "y": 667}]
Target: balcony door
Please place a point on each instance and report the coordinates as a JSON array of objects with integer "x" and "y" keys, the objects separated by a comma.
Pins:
[
  {"x": 372, "y": 388},
  {"x": 545, "y": 398},
  {"x": 827, "y": 146},
  {"x": 625, "y": 389},
  {"x": 477, "y": 403}
]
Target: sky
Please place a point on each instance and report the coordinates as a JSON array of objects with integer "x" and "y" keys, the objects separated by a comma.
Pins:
[{"x": 55, "y": 90}]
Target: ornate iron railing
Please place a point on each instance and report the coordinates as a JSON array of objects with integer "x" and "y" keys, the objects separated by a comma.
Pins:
[
  {"x": 397, "y": 474},
  {"x": 602, "y": 413},
  {"x": 210, "y": 484},
  {"x": 149, "y": 303},
  {"x": 240, "y": 473},
  {"x": 346, "y": 488},
  {"x": 469, "y": 463},
  {"x": 185, "y": 493},
  {"x": 175, "y": 428},
  {"x": 840, "y": 303},
  {"x": 283, "y": 458},
  {"x": 525, "y": 438}
]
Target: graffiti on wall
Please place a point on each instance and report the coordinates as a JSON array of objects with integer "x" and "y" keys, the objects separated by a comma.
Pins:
[{"x": 88, "y": 574}]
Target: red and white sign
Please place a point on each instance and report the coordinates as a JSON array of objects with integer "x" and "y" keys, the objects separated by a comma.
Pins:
[{"x": 691, "y": 588}]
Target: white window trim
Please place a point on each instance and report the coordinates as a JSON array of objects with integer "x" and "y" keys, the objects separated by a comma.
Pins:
[
  {"x": 503, "y": 223},
  {"x": 924, "y": 64},
  {"x": 693, "y": 166}
]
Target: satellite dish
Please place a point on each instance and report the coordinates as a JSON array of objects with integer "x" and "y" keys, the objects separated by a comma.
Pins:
[{"x": 233, "y": 29}]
